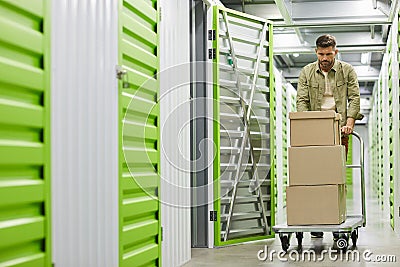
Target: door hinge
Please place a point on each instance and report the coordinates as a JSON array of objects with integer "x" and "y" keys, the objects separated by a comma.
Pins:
[
  {"x": 162, "y": 233},
  {"x": 159, "y": 14},
  {"x": 212, "y": 53},
  {"x": 213, "y": 215},
  {"x": 211, "y": 35}
]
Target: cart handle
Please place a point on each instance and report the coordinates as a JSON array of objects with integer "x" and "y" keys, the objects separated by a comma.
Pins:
[{"x": 361, "y": 166}]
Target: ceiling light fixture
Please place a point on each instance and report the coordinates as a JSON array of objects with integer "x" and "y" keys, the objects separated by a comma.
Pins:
[{"x": 366, "y": 58}]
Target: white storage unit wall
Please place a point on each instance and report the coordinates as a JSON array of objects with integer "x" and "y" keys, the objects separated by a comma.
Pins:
[
  {"x": 84, "y": 112},
  {"x": 175, "y": 132},
  {"x": 384, "y": 132},
  {"x": 285, "y": 102}
]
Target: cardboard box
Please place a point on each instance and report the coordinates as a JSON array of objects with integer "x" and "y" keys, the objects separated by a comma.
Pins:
[
  {"x": 317, "y": 165},
  {"x": 315, "y": 128},
  {"x": 316, "y": 204}
]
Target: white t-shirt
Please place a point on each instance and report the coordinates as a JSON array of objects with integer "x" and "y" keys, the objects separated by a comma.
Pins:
[{"x": 328, "y": 101}]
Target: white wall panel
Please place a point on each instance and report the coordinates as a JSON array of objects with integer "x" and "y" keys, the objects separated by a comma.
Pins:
[
  {"x": 175, "y": 131},
  {"x": 84, "y": 133}
]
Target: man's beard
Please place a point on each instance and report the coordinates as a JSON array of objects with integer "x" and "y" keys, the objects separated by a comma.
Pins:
[{"x": 325, "y": 64}]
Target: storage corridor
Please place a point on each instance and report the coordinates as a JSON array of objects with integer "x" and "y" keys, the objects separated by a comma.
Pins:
[{"x": 141, "y": 133}]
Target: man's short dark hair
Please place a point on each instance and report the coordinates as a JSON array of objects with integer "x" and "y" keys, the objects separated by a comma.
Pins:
[{"x": 326, "y": 40}]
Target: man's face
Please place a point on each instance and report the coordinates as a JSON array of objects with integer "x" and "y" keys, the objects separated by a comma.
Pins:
[{"x": 326, "y": 57}]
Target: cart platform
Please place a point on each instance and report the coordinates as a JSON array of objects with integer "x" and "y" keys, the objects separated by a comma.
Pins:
[{"x": 352, "y": 222}]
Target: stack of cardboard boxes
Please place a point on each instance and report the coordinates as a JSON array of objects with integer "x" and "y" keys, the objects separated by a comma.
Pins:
[{"x": 317, "y": 169}]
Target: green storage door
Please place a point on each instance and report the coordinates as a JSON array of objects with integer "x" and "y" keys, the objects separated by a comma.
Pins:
[
  {"x": 243, "y": 127},
  {"x": 24, "y": 134},
  {"x": 139, "y": 152}
]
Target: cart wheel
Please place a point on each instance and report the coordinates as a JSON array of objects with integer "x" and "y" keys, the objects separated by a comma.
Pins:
[
  {"x": 354, "y": 237},
  {"x": 285, "y": 241},
  {"x": 299, "y": 236}
]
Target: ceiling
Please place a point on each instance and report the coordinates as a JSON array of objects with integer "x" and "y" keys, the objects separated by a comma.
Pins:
[{"x": 361, "y": 29}]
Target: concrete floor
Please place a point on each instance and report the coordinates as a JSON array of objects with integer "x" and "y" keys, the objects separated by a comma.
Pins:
[{"x": 377, "y": 237}]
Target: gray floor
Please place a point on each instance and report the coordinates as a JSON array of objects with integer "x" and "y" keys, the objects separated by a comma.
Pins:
[{"x": 377, "y": 237}]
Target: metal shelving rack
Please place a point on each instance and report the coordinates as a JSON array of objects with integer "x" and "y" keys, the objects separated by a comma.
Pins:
[{"x": 241, "y": 52}]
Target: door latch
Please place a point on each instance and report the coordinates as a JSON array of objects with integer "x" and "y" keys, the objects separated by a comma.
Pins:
[{"x": 120, "y": 72}]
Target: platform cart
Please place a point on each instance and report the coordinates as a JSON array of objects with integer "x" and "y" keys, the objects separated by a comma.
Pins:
[{"x": 348, "y": 229}]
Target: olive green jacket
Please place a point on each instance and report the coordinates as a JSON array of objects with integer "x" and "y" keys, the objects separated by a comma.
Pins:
[{"x": 311, "y": 87}]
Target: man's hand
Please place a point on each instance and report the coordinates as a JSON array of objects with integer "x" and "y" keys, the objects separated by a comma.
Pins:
[{"x": 348, "y": 129}]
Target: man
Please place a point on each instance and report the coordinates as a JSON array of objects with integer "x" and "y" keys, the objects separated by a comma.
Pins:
[{"x": 330, "y": 84}]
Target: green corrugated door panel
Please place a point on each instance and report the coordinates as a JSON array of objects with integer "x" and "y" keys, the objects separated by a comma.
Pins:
[
  {"x": 241, "y": 221},
  {"x": 139, "y": 208},
  {"x": 24, "y": 133}
]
